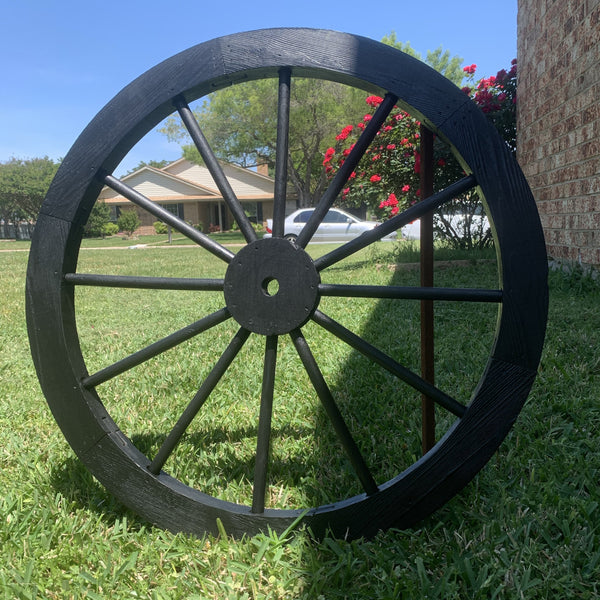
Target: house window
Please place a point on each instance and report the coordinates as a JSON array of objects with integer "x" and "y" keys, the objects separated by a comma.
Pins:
[
  {"x": 254, "y": 210},
  {"x": 175, "y": 208},
  {"x": 115, "y": 213}
]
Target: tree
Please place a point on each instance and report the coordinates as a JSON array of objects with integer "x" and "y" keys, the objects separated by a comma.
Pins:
[
  {"x": 241, "y": 123},
  {"x": 439, "y": 59},
  {"x": 156, "y": 164},
  {"x": 23, "y": 186},
  {"x": 128, "y": 221}
]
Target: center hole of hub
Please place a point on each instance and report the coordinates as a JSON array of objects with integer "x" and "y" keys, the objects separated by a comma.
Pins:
[{"x": 270, "y": 286}]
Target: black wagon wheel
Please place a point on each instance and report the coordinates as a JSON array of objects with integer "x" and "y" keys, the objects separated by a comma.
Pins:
[{"x": 74, "y": 394}]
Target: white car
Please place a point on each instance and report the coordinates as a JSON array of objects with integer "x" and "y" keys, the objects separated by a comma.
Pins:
[
  {"x": 479, "y": 225},
  {"x": 337, "y": 226}
]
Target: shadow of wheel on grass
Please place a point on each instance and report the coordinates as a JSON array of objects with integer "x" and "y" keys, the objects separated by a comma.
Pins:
[
  {"x": 78, "y": 486},
  {"x": 308, "y": 466}
]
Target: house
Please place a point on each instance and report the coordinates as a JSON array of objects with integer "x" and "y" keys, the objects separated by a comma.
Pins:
[{"x": 188, "y": 190}]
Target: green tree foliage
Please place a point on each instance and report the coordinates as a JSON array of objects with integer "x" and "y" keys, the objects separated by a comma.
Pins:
[
  {"x": 23, "y": 186},
  {"x": 97, "y": 221},
  {"x": 128, "y": 221},
  {"x": 241, "y": 124},
  {"x": 439, "y": 59},
  {"x": 156, "y": 164}
]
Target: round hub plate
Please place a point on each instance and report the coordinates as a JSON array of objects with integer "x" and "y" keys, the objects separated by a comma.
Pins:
[{"x": 271, "y": 287}]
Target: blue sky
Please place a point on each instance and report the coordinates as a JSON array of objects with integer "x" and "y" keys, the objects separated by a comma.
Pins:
[{"x": 63, "y": 59}]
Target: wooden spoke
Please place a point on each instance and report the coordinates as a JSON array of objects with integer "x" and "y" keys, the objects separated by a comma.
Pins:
[
  {"x": 168, "y": 217},
  {"x": 281, "y": 159},
  {"x": 145, "y": 283},
  {"x": 389, "y": 364},
  {"x": 213, "y": 165},
  {"x": 411, "y": 214},
  {"x": 318, "y": 381},
  {"x": 198, "y": 400},
  {"x": 410, "y": 293},
  {"x": 344, "y": 172},
  {"x": 155, "y": 349},
  {"x": 264, "y": 426}
]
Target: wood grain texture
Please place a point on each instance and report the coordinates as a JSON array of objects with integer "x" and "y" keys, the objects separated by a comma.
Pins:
[{"x": 503, "y": 387}]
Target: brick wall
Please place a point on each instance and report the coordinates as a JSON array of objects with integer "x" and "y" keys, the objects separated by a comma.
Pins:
[{"x": 558, "y": 121}]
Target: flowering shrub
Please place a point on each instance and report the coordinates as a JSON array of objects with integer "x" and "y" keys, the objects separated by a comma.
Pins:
[
  {"x": 497, "y": 97},
  {"x": 387, "y": 178}
]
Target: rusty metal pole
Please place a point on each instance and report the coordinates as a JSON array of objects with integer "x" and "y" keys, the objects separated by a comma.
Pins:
[{"x": 427, "y": 333}]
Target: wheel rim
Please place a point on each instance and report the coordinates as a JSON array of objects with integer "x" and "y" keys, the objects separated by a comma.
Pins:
[{"x": 70, "y": 390}]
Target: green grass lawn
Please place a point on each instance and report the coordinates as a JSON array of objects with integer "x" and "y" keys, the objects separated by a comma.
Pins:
[
  {"x": 526, "y": 527},
  {"x": 226, "y": 237}
]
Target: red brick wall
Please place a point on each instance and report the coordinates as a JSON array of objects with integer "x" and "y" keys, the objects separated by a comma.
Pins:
[{"x": 558, "y": 121}]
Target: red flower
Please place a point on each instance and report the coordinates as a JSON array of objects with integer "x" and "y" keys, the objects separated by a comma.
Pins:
[
  {"x": 374, "y": 101},
  {"x": 375, "y": 179},
  {"x": 391, "y": 201},
  {"x": 395, "y": 210},
  {"x": 328, "y": 155},
  {"x": 391, "y": 146},
  {"x": 406, "y": 188},
  {"x": 501, "y": 75},
  {"x": 470, "y": 70},
  {"x": 345, "y": 133},
  {"x": 367, "y": 117}
]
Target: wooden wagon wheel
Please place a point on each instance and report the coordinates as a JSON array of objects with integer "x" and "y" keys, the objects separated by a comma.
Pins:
[{"x": 480, "y": 424}]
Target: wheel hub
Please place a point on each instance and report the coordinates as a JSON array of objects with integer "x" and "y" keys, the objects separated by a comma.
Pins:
[{"x": 271, "y": 287}]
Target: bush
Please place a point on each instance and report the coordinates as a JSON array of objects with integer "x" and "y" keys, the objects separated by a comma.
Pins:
[
  {"x": 128, "y": 222},
  {"x": 160, "y": 227},
  {"x": 387, "y": 178},
  {"x": 110, "y": 229}
]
